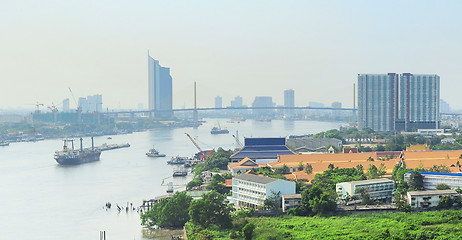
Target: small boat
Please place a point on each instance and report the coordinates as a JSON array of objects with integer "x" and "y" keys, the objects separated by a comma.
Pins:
[
  {"x": 154, "y": 153},
  {"x": 4, "y": 144},
  {"x": 178, "y": 160}
]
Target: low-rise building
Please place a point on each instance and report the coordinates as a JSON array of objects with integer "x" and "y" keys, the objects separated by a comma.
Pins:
[
  {"x": 244, "y": 165},
  {"x": 378, "y": 189},
  {"x": 432, "y": 179},
  {"x": 290, "y": 201},
  {"x": 250, "y": 190},
  {"x": 428, "y": 199}
]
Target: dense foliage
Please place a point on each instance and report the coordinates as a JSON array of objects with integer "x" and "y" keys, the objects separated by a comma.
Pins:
[
  {"x": 168, "y": 212},
  {"x": 417, "y": 225},
  {"x": 210, "y": 210},
  {"x": 218, "y": 159},
  {"x": 330, "y": 177}
]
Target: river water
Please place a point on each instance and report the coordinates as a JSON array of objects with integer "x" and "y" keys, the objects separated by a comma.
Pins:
[{"x": 40, "y": 199}]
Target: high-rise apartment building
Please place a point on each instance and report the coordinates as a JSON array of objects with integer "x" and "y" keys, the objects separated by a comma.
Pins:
[
  {"x": 404, "y": 102},
  {"x": 218, "y": 102},
  {"x": 289, "y": 101},
  {"x": 160, "y": 89}
]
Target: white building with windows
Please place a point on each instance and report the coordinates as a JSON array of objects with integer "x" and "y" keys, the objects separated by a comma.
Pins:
[
  {"x": 432, "y": 179},
  {"x": 428, "y": 199},
  {"x": 290, "y": 201},
  {"x": 379, "y": 189},
  {"x": 250, "y": 190}
]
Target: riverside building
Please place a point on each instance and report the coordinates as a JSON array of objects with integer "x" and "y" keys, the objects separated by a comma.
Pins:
[
  {"x": 378, "y": 189},
  {"x": 250, "y": 190},
  {"x": 432, "y": 179}
]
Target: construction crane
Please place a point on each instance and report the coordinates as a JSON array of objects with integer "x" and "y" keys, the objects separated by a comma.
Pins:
[
  {"x": 236, "y": 137},
  {"x": 79, "y": 108},
  {"x": 201, "y": 155},
  {"x": 37, "y": 105},
  {"x": 194, "y": 142}
]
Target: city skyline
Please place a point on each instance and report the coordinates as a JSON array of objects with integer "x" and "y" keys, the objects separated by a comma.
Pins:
[{"x": 289, "y": 45}]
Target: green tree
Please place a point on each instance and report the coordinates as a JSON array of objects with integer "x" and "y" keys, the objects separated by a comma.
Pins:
[
  {"x": 416, "y": 180},
  {"x": 364, "y": 195},
  {"x": 372, "y": 172},
  {"x": 331, "y": 166},
  {"x": 360, "y": 168},
  {"x": 445, "y": 202},
  {"x": 197, "y": 181},
  {"x": 308, "y": 169},
  {"x": 440, "y": 168},
  {"x": 273, "y": 202},
  {"x": 300, "y": 166},
  {"x": 168, "y": 212},
  {"x": 442, "y": 186},
  {"x": 216, "y": 183},
  {"x": 210, "y": 209},
  {"x": 248, "y": 230}
]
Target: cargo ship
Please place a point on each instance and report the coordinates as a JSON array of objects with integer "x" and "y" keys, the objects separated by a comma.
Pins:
[{"x": 70, "y": 156}]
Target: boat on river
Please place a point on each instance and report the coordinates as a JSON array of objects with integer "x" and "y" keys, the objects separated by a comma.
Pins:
[
  {"x": 4, "y": 144},
  {"x": 219, "y": 130},
  {"x": 71, "y": 156},
  {"x": 154, "y": 153},
  {"x": 178, "y": 160}
]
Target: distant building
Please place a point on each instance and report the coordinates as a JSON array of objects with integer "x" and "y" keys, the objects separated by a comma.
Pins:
[
  {"x": 310, "y": 144},
  {"x": 290, "y": 201},
  {"x": 250, "y": 190},
  {"x": 159, "y": 89},
  {"x": 263, "y": 102},
  {"x": 237, "y": 102},
  {"x": 289, "y": 101},
  {"x": 95, "y": 103},
  {"x": 337, "y": 105},
  {"x": 66, "y": 107},
  {"x": 428, "y": 199},
  {"x": 392, "y": 102},
  {"x": 430, "y": 132},
  {"x": 218, "y": 102},
  {"x": 378, "y": 189},
  {"x": 83, "y": 104},
  {"x": 432, "y": 179},
  {"x": 444, "y": 107},
  {"x": 316, "y": 104}
]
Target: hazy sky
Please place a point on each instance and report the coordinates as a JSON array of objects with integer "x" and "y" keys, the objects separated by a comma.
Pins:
[{"x": 246, "y": 48}]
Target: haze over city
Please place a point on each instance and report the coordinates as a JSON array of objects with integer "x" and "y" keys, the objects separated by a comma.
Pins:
[{"x": 240, "y": 48}]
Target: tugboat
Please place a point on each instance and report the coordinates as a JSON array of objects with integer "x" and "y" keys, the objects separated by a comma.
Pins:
[
  {"x": 154, "y": 153},
  {"x": 178, "y": 160},
  {"x": 73, "y": 157}
]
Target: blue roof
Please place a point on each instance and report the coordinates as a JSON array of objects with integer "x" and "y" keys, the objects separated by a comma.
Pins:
[
  {"x": 440, "y": 174},
  {"x": 264, "y": 141},
  {"x": 263, "y": 148}
]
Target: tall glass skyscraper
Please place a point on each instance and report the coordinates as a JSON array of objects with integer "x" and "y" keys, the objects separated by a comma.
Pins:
[
  {"x": 398, "y": 102},
  {"x": 159, "y": 89}
]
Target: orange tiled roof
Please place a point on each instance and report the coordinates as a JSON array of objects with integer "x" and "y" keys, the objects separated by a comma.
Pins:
[
  {"x": 320, "y": 162},
  {"x": 240, "y": 164}
]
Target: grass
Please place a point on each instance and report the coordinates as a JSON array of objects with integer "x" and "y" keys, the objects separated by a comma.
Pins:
[{"x": 418, "y": 225}]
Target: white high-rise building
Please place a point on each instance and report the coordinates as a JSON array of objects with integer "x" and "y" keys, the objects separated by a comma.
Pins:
[
  {"x": 289, "y": 101},
  {"x": 404, "y": 102}
]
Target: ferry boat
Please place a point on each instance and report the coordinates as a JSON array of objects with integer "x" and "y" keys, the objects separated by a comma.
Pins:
[{"x": 70, "y": 156}]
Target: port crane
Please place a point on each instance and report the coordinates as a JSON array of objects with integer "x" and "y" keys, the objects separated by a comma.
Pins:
[
  {"x": 79, "y": 108},
  {"x": 201, "y": 155}
]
